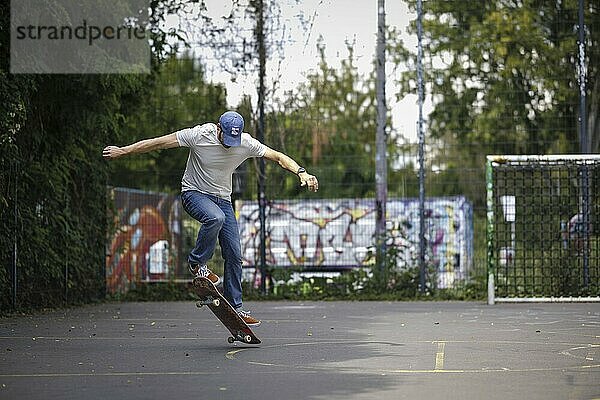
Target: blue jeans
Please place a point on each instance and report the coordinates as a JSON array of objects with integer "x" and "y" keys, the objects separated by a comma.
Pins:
[{"x": 218, "y": 222}]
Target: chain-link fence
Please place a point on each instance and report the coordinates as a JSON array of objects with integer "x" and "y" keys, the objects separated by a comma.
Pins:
[{"x": 500, "y": 78}]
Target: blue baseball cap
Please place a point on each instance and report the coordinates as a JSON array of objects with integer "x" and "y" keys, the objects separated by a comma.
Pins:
[{"x": 232, "y": 125}]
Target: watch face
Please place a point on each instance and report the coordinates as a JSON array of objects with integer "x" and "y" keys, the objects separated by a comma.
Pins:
[{"x": 300, "y": 170}]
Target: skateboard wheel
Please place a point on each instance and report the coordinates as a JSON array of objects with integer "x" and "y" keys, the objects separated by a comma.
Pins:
[
  {"x": 230, "y": 339},
  {"x": 199, "y": 305},
  {"x": 216, "y": 302},
  {"x": 248, "y": 338}
]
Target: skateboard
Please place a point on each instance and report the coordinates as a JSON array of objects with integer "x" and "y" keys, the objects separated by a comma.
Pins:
[{"x": 211, "y": 297}]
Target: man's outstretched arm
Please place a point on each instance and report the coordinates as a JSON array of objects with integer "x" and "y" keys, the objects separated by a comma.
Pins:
[
  {"x": 286, "y": 162},
  {"x": 143, "y": 146}
]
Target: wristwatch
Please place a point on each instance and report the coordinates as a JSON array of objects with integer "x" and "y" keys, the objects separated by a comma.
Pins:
[{"x": 300, "y": 170}]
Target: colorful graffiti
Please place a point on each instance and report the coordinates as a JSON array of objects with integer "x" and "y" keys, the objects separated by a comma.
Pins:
[
  {"x": 337, "y": 234},
  {"x": 146, "y": 242}
]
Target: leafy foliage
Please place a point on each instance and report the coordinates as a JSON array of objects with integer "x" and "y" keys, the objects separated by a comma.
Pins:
[
  {"x": 503, "y": 73},
  {"x": 56, "y": 196},
  {"x": 329, "y": 123},
  {"x": 53, "y": 178},
  {"x": 503, "y": 79},
  {"x": 180, "y": 97}
]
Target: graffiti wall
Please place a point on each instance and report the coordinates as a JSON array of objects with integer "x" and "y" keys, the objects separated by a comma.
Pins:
[
  {"x": 337, "y": 234},
  {"x": 146, "y": 242},
  {"x": 149, "y": 239}
]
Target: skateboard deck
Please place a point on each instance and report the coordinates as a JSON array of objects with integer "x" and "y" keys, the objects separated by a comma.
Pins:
[{"x": 211, "y": 297}]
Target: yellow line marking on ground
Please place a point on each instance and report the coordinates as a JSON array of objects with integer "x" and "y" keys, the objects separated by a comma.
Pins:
[
  {"x": 587, "y": 357},
  {"x": 439, "y": 356},
  {"x": 261, "y": 363},
  {"x": 231, "y": 354}
]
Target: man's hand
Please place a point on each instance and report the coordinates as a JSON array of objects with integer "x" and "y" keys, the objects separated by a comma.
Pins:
[
  {"x": 287, "y": 163},
  {"x": 111, "y": 152},
  {"x": 309, "y": 180}
]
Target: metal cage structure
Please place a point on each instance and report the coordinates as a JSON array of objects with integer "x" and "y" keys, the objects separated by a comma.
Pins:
[{"x": 542, "y": 233}]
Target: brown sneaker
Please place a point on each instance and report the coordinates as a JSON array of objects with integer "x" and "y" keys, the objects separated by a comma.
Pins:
[
  {"x": 203, "y": 271},
  {"x": 250, "y": 321}
]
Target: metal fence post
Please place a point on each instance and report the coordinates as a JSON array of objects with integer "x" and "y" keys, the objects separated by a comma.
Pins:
[
  {"x": 260, "y": 33},
  {"x": 16, "y": 238},
  {"x": 422, "y": 244},
  {"x": 380, "y": 155},
  {"x": 584, "y": 143},
  {"x": 491, "y": 261}
]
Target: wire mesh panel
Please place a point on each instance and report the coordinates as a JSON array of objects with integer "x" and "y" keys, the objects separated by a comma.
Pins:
[{"x": 542, "y": 239}]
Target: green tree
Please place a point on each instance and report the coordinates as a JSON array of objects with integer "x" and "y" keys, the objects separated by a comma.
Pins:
[
  {"x": 329, "y": 123},
  {"x": 52, "y": 176},
  {"x": 180, "y": 97},
  {"x": 503, "y": 78}
]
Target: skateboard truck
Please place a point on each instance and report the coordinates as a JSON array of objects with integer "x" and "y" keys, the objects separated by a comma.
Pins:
[
  {"x": 240, "y": 337},
  {"x": 208, "y": 301}
]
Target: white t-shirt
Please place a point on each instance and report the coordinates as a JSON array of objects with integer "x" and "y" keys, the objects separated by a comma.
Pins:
[{"x": 210, "y": 165}]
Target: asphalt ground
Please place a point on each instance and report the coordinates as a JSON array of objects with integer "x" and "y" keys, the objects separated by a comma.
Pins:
[{"x": 310, "y": 350}]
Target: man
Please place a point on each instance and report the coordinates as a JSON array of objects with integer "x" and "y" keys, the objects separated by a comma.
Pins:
[{"x": 216, "y": 150}]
